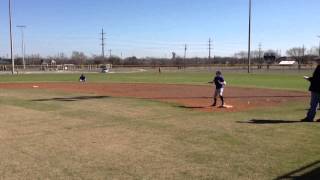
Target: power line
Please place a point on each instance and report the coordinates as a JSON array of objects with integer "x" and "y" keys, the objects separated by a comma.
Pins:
[
  {"x": 139, "y": 44},
  {"x": 177, "y": 43}
]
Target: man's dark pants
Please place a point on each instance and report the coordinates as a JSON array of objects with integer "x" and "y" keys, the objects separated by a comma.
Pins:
[{"x": 315, "y": 101}]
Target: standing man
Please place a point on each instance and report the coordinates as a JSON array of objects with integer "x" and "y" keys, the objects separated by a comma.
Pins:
[
  {"x": 315, "y": 93},
  {"x": 219, "y": 83}
]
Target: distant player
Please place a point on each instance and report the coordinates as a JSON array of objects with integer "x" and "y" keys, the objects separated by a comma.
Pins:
[
  {"x": 82, "y": 78},
  {"x": 220, "y": 84}
]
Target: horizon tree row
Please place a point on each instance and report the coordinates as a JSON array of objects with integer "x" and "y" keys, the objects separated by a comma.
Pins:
[{"x": 299, "y": 54}]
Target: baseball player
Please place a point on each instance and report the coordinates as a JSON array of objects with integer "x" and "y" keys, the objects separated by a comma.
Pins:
[
  {"x": 220, "y": 83},
  {"x": 82, "y": 78}
]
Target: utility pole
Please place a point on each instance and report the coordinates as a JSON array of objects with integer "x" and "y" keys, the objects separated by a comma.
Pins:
[
  {"x": 260, "y": 62},
  {"x": 23, "y": 51},
  {"x": 301, "y": 54},
  {"x": 11, "y": 37},
  {"x": 102, "y": 42},
  {"x": 110, "y": 53},
  {"x": 260, "y": 50},
  {"x": 249, "y": 40},
  {"x": 185, "y": 55},
  {"x": 209, "y": 50},
  {"x": 319, "y": 46}
]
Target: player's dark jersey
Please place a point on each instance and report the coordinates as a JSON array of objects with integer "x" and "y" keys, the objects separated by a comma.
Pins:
[
  {"x": 82, "y": 78},
  {"x": 217, "y": 81},
  {"x": 315, "y": 81}
]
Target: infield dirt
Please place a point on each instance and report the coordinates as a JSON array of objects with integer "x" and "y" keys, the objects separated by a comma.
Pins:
[{"x": 184, "y": 96}]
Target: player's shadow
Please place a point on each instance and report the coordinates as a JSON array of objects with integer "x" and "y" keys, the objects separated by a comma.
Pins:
[
  {"x": 265, "y": 121},
  {"x": 71, "y": 99},
  {"x": 308, "y": 172},
  {"x": 254, "y": 96},
  {"x": 192, "y": 107},
  {"x": 184, "y": 97},
  {"x": 230, "y": 97}
]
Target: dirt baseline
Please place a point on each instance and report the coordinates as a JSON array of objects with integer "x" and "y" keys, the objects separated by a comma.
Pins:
[{"x": 186, "y": 96}]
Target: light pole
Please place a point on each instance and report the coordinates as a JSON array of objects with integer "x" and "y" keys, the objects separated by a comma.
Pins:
[
  {"x": 249, "y": 40},
  {"x": 11, "y": 37},
  {"x": 319, "y": 45},
  {"x": 23, "y": 45}
]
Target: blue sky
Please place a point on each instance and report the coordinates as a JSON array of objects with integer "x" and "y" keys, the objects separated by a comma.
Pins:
[{"x": 159, "y": 27}]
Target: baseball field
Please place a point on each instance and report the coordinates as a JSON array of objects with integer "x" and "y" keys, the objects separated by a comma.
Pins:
[{"x": 156, "y": 126}]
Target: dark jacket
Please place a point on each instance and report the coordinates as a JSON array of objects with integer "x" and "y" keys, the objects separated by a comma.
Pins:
[
  {"x": 217, "y": 81},
  {"x": 315, "y": 81}
]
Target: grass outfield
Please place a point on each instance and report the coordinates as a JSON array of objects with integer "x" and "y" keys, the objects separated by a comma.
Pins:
[
  {"x": 261, "y": 80},
  {"x": 127, "y": 138}
]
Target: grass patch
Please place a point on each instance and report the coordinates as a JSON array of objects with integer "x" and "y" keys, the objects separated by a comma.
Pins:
[
  {"x": 120, "y": 138},
  {"x": 287, "y": 81}
]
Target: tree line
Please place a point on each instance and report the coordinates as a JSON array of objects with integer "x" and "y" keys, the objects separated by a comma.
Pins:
[{"x": 300, "y": 54}]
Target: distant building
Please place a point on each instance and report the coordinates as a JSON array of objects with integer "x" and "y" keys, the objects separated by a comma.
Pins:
[
  {"x": 5, "y": 61},
  {"x": 53, "y": 62},
  {"x": 288, "y": 63},
  {"x": 316, "y": 58}
]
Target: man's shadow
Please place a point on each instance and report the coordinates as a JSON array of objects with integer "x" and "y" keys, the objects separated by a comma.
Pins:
[
  {"x": 308, "y": 172},
  {"x": 265, "y": 121},
  {"x": 71, "y": 99}
]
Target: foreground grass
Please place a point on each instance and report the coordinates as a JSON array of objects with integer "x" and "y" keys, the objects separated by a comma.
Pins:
[
  {"x": 287, "y": 81},
  {"x": 115, "y": 138}
]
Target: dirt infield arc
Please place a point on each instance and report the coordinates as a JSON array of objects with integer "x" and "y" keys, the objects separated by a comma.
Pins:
[{"x": 185, "y": 96}]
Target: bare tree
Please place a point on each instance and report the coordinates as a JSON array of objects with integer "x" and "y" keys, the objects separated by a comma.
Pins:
[
  {"x": 78, "y": 57},
  {"x": 241, "y": 55},
  {"x": 296, "y": 52},
  {"x": 314, "y": 51}
]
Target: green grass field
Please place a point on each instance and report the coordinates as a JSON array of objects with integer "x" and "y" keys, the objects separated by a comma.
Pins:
[
  {"x": 127, "y": 138},
  {"x": 286, "y": 81}
]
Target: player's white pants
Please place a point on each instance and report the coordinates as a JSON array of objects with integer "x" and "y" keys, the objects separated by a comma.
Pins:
[{"x": 218, "y": 92}]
